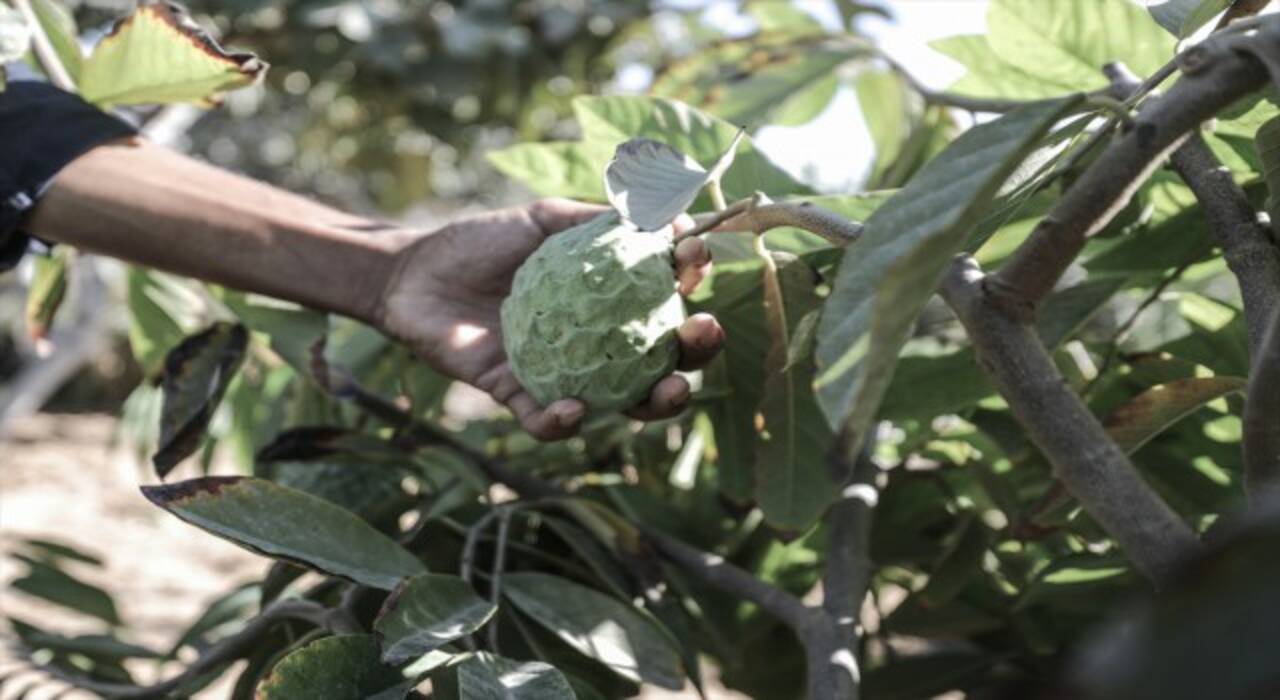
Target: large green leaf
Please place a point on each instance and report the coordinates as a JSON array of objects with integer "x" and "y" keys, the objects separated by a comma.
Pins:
[
  {"x": 746, "y": 81},
  {"x": 698, "y": 135},
  {"x": 1183, "y": 17},
  {"x": 485, "y": 676},
  {"x": 886, "y": 278},
  {"x": 334, "y": 668},
  {"x": 154, "y": 319},
  {"x": 573, "y": 170},
  {"x": 290, "y": 525},
  {"x": 988, "y": 75},
  {"x": 426, "y": 612},
  {"x": 793, "y": 482},
  {"x": 888, "y": 108},
  {"x": 1066, "y": 42},
  {"x": 157, "y": 55},
  {"x": 599, "y": 626},
  {"x": 290, "y": 328},
  {"x": 196, "y": 375}
]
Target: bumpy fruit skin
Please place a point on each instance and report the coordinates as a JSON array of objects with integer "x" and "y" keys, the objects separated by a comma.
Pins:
[{"x": 593, "y": 315}]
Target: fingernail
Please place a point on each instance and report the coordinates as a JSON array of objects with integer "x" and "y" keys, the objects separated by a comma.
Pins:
[{"x": 568, "y": 416}]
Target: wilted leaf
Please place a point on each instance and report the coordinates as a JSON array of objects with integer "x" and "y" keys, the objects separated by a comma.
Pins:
[
  {"x": 650, "y": 183},
  {"x": 334, "y": 668},
  {"x": 48, "y": 288},
  {"x": 425, "y": 612},
  {"x": 49, "y": 582},
  {"x": 747, "y": 81},
  {"x": 1183, "y": 17},
  {"x": 1152, "y": 412},
  {"x": 598, "y": 626},
  {"x": 291, "y": 525},
  {"x": 158, "y": 55},
  {"x": 485, "y": 676},
  {"x": 196, "y": 375},
  {"x": 887, "y": 276}
]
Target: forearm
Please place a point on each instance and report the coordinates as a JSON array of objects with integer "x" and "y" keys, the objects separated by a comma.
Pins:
[{"x": 148, "y": 205}]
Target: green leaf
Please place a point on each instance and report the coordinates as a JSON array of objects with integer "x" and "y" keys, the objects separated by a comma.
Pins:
[
  {"x": 599, "y": 626},
  {"x": 196, "y": 375},
  {"x": 889, "y": 109},
  {"x": 1153, "y": 411},
  {"x": 557, "y": 169},
  {"x": 988, "y": 75},
  {"x": 15, "y": 35},
  {"x": 1183, "y": 17},
  {"x": 960, "y": 562},
  {"x": 60, "y": 27},
  {"x": 612, "y": 120},
  {"x": 746, "y": 81},
  {"x": 426, "y": 612},
  {"x": 52, "y": 552},
  {"x": 158, "y": 56},
  {"x": 650, "y": 183},
  {"x": 48, "y": 582},
  {"x": 793, "y": 482},
  {"x": 290, "y": 328},
  {"x": 227, "y": 611},
  {"x": 47, "y": 290},
  {"x": 886, "y": 278},
  {"x": 334, "y": 668},
  {"x": 153, "y": 324},
  {"x": 289, "y": 525},
  {"x": 805, "y": 105},
  {"x": 778, "y": 15},
  {"x": 1066, "y": 42},
  {"x": 485, "y": 676}
]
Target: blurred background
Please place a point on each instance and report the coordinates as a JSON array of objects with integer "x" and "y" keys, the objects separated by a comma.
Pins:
[{"x": 384, "y": 107}]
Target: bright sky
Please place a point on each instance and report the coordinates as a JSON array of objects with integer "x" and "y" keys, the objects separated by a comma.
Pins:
[{"x": 834, "y": 150}]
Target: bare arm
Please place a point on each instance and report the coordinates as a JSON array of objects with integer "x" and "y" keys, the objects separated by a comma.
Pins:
[{"x": 146, "y": 204}]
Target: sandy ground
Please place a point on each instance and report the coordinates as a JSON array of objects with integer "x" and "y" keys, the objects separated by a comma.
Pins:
[{"x": 62, "y": 478}]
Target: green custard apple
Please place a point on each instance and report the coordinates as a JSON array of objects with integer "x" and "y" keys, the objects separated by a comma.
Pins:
[{"x": 593, "y": 315}]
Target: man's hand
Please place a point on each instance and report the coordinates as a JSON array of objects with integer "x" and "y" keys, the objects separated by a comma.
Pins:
[{"x": 445, "y": 294}]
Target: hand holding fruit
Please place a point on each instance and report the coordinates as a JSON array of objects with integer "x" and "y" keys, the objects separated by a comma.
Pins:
[{"x": 445, "y": 300}]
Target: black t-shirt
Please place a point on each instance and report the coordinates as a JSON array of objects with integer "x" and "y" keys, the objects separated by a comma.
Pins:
[{"x": 42, "y": 129}]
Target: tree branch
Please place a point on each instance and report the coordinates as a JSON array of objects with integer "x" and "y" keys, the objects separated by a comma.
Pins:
[
  {"x": 757, "y": 215},
  {"x": 1215, "y": 73},
  {"x": 1245, "y": 241},
  {"x": 1262, "y": 420},
  {"x": 1084, "y": 458}
]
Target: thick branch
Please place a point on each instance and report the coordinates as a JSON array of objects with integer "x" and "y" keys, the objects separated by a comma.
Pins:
[
  {"x": 844, "y": 585},
  {"x": 1084, "y": 458},
  {"x": 1245, "y": 241},
  {"x": 1215, "y": 74},
  {"x": 1262, "y": 420}
]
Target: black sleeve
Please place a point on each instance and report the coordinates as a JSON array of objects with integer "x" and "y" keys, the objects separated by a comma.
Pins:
[{"x": 42, "y": 129}]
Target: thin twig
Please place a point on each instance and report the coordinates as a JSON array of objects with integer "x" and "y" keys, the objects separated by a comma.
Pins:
[
  {"x": 758, "y": 215},
  {"x": 45, "y": 52},
  {"x": 1215, "y": 74},
  {"x": 499, "y": 566},
  {"x": 1085, "y": 459}
]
